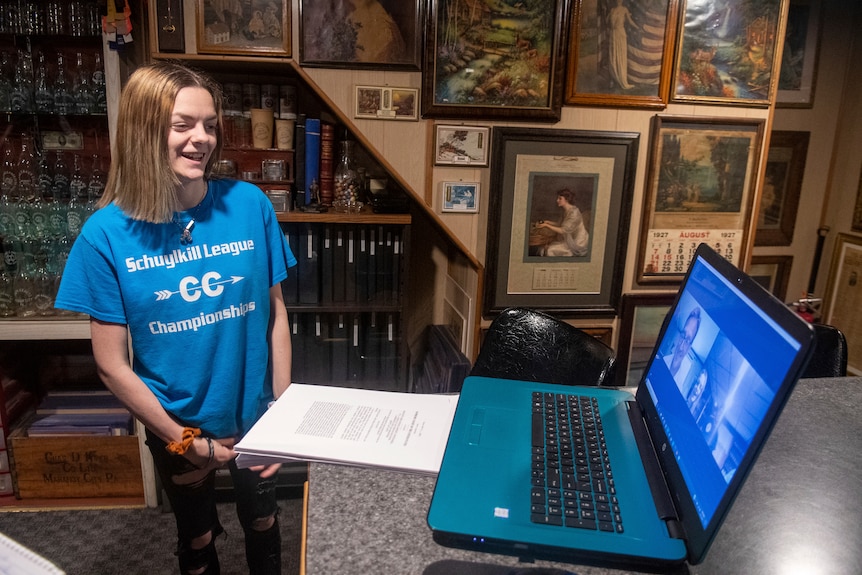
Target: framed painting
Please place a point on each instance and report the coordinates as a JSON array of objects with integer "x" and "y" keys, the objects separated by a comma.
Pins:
[
  {"x": 641, "y": 318},
  {"x": 560, "y": 206},
  {"x": 772, "y": 272},
  {"x": 799, "y": 59},
  {"x": 371, "y": 35},
  {"x": 842, "y": 304},
  {"x": 856, "y": 223},
  {"x": 700, "y": 186},
  {"x": 621, "y": 53},
  {"x": 782, "y": 186},
  {"x": 494, "y": 60},
  {"x": 379, "y": 103},
  {"x": 725, "y": 52},
  {"x": 461, "y": 145},
  {"x": 254, "y": 27},
  {"x": 461, "y": 197}
]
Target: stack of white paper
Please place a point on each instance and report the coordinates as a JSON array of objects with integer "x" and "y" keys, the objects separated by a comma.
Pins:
[{"x": 391, "y": 430}]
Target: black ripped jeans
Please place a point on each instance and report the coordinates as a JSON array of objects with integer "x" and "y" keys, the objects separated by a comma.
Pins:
[{"x": 195, "y": 511}]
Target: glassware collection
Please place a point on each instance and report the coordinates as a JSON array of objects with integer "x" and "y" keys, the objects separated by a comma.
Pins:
[{"x": 44, "y": 201}]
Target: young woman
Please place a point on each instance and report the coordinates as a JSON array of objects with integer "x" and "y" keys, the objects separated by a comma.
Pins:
[
  {"x": 573, "y": 239},
  {"x": 188, "y": 268}
]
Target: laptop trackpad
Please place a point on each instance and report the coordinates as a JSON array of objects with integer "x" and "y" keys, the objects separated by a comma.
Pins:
[{"x": 492, "y": 428}]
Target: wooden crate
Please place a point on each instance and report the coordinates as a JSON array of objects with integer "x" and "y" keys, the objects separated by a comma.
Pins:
[{"x": 75, "y": 466}]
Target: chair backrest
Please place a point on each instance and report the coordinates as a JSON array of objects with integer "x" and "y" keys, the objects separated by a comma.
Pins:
[
  {"x": 530, "y": 345},
  {"x": 830, "y": 353}
]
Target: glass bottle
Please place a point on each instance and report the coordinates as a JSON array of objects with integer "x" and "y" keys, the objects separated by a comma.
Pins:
[
  {"x": 60, "y": 188},
  {"x": 21, "y": 99},
  {"x": 76, "y": 212},
  {"x": 64, "y": 101},
  {"x": 5, "y": 82},
  {"x": 346, "y": 187},
  {"x": 42, "y": 93},
  {"x": 42, "y": 282},
  {"x": 8, "y": 172},
  {"x": 100, "y": 97},
  {"x": 23, "y": 290},
  {"x": 96, "y": 185},
  {"x": 7, "y": 291},
  {"x": 83, "y": 88}
]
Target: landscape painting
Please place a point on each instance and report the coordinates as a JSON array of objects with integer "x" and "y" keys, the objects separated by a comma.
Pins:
[{"x": 493, "y": 59}]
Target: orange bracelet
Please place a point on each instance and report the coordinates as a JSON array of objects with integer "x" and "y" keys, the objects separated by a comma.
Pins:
[{"x": 180, "y": 447}]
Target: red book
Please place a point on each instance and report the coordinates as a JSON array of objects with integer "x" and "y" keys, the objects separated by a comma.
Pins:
[{"x": 327, "y": 163}]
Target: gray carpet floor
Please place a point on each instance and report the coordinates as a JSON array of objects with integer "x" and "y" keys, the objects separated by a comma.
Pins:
[{"x": 137, "y": 541}]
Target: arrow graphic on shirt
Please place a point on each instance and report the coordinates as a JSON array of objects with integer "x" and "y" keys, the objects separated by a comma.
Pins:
[{"x": 165, "y": 294}]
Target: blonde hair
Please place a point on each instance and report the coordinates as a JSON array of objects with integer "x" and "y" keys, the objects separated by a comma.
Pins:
[{"x": 141, "y": 181}]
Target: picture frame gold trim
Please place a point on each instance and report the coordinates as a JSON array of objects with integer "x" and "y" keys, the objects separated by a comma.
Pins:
[
  {"x": 773, "y": 273},
  {"x": 590, "y": 76},
  {"x": 330, "y": 35},
  {"x": 529, "y": 167},
  {"x": 842, "y": 303},
  {"x": 782, "y": 188},
  {"x": 726, "y": 52},
  {"x": 473, "y": 70},
  {"x": 799, "y": 59},
  {"x": 641, "y": 317},
  {"x": 700, "y": 187},
  {"x": 253, "y": 32}
]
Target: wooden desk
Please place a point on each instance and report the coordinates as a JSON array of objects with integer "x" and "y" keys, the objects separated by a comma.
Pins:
[{"x": 798, "y": 512}]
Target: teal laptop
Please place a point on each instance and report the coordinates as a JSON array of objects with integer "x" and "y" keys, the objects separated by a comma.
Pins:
[{"x": 602, "y": 476}]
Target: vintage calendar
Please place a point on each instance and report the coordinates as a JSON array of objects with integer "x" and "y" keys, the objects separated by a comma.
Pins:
[{"x": 669, "y": 252}]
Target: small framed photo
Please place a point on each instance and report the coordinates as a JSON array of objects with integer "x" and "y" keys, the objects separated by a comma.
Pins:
[
  {"x": 844, "y": 296},
  {"x": 461, "y": 145},
  {"x": 641, "y": 319},
  {"x": 772, "y": 272},
  {"x": 799, "y": 58},
  {"x": 384, "y": 103},
  {"x": 254, "y": 27},
  {"x": 461, "y": 197}
]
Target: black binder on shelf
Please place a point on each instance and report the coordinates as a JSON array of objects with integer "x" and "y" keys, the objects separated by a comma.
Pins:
[
  {"x": 326, "y": 263},
  {"x": 350, "y": 269},
  {"x": 290, "y": 286},
  {"x": 339, "y": 335},
  {"x": 309, "y": 265},
  {"x": 386, "y": 277},
  {"x": 355, "y": 372},
  {"x": 371, "y": 347},
  {"x": 299, "y": 368},
  {"x": 397, "y": 254},
  {"x": 380, "y": 265},
  {"x": 389, "y": 349},
  {"x": 362, "y": 264},
  {"x": 339, "y": 262},
  {"x": 371, "y": 269},
  {"x": 320, "y": 354}
]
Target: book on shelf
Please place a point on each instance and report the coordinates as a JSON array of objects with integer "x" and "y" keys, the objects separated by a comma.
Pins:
[
  {"x": 85, "y": 401},
  {"x": 299, "y": 160},
  {"x": 339, "y": 263},
  {"x": 290, "y": 286},
  {"x": 312, "y": 157},
  {"x": 93, "y": 423},
  {"x": 326, "y": 267},
  {"x": 327, "y": 162},
  {"x": 381, "y": 429}
]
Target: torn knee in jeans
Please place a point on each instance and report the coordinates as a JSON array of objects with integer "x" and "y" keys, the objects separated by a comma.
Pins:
[
  {"x": 263, "y": 523},
  {"x": 203, "y": 561}
]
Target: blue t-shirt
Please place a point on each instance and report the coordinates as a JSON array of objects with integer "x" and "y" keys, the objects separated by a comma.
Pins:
[{"x": 198, "y": 313}]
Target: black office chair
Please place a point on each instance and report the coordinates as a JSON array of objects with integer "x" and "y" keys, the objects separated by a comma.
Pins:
[
  {"x": 530, "y": 345},
  {"x": 830, "y": 353}
]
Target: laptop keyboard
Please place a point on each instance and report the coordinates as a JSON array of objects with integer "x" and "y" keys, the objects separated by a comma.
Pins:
[{"x": 572, "y": 482}]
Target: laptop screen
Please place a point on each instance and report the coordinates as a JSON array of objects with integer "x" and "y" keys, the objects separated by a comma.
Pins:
[{"x": 716, "y": 373}]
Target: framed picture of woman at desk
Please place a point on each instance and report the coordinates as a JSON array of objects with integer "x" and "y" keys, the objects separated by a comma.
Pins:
[
  {"x": 560, "y": 205},
  {"x": 621, "y": 53}
]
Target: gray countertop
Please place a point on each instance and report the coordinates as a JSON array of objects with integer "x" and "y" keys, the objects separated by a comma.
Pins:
[{"x": 800, "y": 507}]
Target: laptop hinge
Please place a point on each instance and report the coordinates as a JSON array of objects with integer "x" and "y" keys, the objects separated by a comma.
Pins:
[{"x": 655, "y": 476}]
